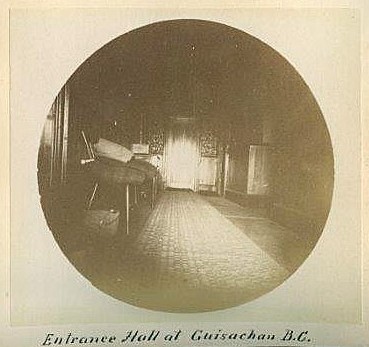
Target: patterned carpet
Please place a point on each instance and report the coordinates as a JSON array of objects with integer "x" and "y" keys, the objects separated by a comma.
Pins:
[{"x": 187, "y": 258}]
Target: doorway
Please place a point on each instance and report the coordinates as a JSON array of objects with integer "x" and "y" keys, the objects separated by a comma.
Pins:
[{"x": 181, "y": 155}]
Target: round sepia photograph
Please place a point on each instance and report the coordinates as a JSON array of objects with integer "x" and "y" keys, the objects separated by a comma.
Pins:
[{"x": 186, "y": 167}]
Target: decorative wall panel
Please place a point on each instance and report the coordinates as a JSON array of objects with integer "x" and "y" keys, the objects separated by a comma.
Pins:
[
  {"x": 156, "y": 141},
  {"x": 208, "y": 144}
]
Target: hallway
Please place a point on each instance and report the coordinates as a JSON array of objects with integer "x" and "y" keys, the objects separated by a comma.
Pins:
[
  {"x": 189, "y": 257},
  {"x": 147, "y": 135}
]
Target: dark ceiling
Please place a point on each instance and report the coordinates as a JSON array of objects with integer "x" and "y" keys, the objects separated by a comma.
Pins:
[{"x": 188, "y": 68}]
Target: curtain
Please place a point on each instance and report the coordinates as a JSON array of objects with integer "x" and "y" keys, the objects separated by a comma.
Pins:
[{"x": 52, "y": 159}]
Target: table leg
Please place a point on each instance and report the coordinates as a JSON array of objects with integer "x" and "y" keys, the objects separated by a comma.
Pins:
[
  {"x": 92, "y": 195},
  {"x": 152, "y": 193},
  {"x": 136, "y": 199},
  {"x": 127, "y": 209}
]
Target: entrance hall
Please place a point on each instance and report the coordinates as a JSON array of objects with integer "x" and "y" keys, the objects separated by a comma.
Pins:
[{"x": 185, "y": 167}]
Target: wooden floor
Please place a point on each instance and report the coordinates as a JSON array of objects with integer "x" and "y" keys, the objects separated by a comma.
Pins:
[{"x": 194, "y": 254}]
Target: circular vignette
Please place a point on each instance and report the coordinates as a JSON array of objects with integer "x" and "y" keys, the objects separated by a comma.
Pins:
[{"x": 186, "y": 167}]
